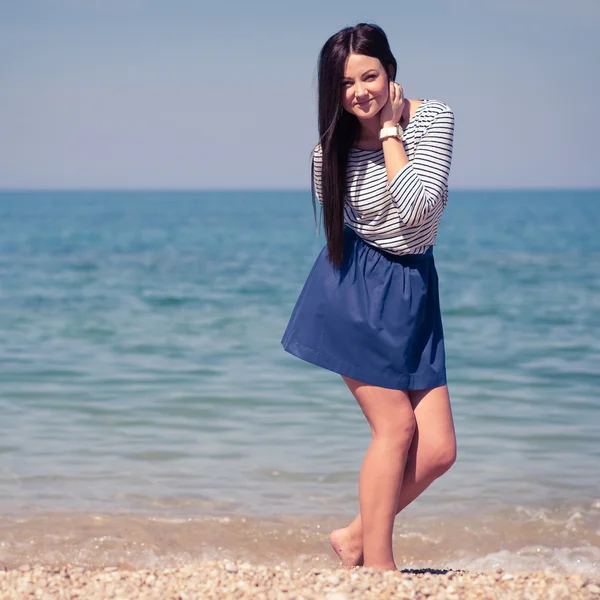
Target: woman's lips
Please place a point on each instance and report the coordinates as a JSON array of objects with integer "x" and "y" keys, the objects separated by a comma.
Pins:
[{"x": 363, "y": 104}]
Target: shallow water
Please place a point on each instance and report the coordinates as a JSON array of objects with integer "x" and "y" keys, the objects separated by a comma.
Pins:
[
  {"x": 141, "y": 372},
  {"x": 519, "y": 539}
]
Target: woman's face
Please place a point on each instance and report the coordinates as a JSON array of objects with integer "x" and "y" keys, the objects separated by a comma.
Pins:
[{"x": 365, "y": 87}]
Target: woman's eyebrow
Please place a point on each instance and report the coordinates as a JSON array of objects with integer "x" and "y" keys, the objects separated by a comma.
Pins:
[{"x": 365, "y": 73}]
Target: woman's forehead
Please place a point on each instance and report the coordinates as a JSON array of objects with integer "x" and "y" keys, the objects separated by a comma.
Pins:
[{"x": 357, "y": 64}]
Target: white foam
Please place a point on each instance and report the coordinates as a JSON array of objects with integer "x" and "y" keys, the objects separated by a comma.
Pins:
[{"x": 583, "y": 560}]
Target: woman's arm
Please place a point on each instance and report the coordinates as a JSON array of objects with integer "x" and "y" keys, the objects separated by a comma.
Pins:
[
  {"x": 315, "y": 184},
  {"x": 418, "y": 186},
  {"x": 317, "y": 167}
]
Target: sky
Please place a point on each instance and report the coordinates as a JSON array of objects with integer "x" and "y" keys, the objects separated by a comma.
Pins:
[{"x": 189, "y": 94}]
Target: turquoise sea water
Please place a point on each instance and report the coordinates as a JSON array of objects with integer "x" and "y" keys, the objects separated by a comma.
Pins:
[{"x": 141, "y": 373}]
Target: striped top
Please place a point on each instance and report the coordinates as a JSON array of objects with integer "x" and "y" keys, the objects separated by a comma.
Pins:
[{"x": 401, "y": 216}]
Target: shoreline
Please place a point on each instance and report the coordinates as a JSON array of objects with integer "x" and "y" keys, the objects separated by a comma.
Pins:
[
  {"x": 240, "y": 580},
  {"x": 564, "y": 545}
]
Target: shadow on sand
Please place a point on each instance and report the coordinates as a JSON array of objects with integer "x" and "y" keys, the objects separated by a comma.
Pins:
[{"x": 432, "y": 571}]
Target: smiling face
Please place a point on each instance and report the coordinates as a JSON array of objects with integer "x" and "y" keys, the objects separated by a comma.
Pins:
[{"x": 364, "y": 86}]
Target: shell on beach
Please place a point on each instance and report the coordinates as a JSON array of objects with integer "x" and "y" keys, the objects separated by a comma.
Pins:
[{"x": 214, "y": 580}]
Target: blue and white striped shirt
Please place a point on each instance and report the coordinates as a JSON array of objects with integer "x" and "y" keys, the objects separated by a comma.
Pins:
[{"x": 400, "y": 216}]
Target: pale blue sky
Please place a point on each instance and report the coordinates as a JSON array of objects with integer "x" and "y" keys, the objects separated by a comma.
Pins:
[{"x": 189, "y": 95}]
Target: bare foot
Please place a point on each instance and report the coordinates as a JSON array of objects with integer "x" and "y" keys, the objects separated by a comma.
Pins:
[
  {"x": 348, "y": 549},
  {"x": 383, "y": 568}
]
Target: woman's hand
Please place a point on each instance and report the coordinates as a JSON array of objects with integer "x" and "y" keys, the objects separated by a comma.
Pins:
[{"x": 391, "y": 112}]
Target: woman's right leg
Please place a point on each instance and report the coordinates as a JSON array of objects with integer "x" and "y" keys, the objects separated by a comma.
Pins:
[
  {"x": 392, "y": 421},
  {"x": 432, "y": 453}
]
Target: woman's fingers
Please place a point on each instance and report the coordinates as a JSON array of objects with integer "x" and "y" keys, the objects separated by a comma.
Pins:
[
  {"x": 399, "y": 93},
  {"x": 396, "y": 99},
  {"x": 394, "y": 105}
]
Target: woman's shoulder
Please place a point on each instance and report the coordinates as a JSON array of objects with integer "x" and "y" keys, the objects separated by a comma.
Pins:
[
  {"x": 434, "y": 106},
  {"x": 433, "y": 115},
  {"x": 317, "y": 152},
  {"x": 430, "y": 109}
]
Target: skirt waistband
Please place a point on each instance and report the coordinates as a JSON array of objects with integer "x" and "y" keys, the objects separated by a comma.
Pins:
[{"x": 399, "y": 258}]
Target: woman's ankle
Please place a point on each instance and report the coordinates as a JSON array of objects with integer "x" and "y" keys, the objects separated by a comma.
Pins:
[{"x": 355, "y": 529}]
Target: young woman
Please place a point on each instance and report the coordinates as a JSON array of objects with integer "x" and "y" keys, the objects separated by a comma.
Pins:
[{"x": 369, "y": 309}]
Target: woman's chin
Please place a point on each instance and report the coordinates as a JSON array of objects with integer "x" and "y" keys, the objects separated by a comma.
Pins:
[{"x": 366, "y": 116}]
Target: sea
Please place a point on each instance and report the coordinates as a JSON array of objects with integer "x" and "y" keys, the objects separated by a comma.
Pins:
[{"x": 150, "y": 417}]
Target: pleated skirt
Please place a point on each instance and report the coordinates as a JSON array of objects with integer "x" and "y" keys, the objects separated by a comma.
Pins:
[{"x": 376, "y": 319}]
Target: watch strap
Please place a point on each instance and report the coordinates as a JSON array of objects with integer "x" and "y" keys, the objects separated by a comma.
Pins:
[{"x": 395, "y": 131}]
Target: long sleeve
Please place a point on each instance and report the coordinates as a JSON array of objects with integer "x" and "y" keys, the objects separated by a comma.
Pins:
[
  {"x": 420, "y": 186},
  {"x": 317, "y": 167}
]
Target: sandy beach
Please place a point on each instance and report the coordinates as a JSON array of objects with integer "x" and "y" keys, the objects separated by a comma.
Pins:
[
  {"x": 214, "y": 580},
  {"x": 127, "y": 556}
]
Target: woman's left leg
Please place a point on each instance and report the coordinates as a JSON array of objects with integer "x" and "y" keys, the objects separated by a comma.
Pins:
[{"x": 432, "y": 453}]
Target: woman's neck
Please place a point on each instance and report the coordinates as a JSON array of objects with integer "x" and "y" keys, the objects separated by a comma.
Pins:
[{"x": 369, "y": 128}]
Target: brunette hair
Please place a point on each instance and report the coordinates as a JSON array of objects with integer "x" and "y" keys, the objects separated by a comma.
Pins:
[{"x": 338, "y": 129}]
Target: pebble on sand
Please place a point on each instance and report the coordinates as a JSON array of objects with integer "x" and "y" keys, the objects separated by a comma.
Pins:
[{"x": 216, "y": 580}]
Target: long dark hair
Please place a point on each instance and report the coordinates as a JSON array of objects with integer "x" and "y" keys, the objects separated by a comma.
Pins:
[{"x": 338, "y": 129}]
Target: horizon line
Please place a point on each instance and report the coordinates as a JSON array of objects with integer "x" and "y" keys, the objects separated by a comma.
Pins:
[{"x": 278, "y": 190}]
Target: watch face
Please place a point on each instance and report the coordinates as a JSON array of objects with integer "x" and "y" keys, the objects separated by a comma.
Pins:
[{"x": 395, "y": 131}]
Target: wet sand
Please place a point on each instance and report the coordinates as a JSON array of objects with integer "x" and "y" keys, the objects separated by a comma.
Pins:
[
  {"x": 215, "y": 580},
  {"x": 514, "y": 542},
  {"x": 126, "y": 556}
]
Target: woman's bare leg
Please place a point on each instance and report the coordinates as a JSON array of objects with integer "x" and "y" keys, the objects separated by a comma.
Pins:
[
  {"x": 392, "y": 421},
  {"x": 432, "y": 453}
]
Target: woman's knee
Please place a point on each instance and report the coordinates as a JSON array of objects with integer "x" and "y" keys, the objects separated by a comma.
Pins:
[
  {"x": 443, "y": 457},
  {"x": 398, "y": 432}
]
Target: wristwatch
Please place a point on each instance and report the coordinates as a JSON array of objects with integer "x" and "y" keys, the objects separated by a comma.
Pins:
[{"x": 396, "y": 131}]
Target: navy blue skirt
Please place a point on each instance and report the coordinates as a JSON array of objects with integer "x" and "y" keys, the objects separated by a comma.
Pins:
[{"x": 377, "y": 319}]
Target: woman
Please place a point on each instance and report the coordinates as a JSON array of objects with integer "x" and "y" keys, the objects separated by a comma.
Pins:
[{"x": 369, "y": 309}]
